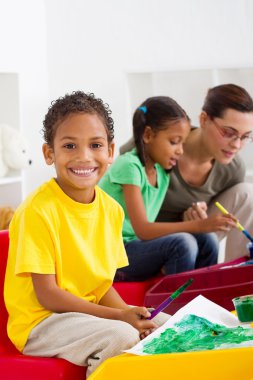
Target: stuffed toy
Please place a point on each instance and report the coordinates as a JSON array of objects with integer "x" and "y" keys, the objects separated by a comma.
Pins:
[
  {"x": 6, "y": 214},
  {"x": 14, "y": 153}
]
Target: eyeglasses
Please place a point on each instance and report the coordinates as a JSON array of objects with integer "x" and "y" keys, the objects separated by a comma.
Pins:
[{"x": 229, "y": 134}]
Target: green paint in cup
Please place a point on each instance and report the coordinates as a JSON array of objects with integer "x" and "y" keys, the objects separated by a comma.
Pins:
[{"x": 244, "y": 308}]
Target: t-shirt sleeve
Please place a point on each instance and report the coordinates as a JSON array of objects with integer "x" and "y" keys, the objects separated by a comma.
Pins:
[
  {"x": 126, "y": 172},
  {"x": 33, "y": 244}
]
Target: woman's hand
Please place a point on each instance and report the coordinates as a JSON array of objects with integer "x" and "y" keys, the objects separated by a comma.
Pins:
[{"x": 197, "y": 211}]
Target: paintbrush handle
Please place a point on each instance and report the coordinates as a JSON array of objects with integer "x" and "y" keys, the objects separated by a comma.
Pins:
[
  {"x": 168, "y": 300},
  {"x": 245, "y": 232},
  {"x": 238, "y": 225},
  {"x": 160, "y": 308}
]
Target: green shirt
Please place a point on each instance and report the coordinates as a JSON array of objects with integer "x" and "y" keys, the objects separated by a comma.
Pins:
[
  {"x": 181, "y": 195},
  {"x": 127, "y": 169}
]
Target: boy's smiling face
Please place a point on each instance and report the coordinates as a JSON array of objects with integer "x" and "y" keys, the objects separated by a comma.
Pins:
[{"x": 81, "y": 154}]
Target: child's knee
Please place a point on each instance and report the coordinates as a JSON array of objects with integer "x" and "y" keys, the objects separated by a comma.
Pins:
[
  {"x": 125, "y": 336},
  {"x": 189, "y": 245}
]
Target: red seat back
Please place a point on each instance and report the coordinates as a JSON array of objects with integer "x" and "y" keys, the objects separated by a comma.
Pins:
[{"x": 5, "y": 343}]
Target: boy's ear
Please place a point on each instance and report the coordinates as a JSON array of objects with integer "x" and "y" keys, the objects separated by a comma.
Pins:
[
  {"x": 48, "y": 154},
  {"x": 111, "y": 152}
]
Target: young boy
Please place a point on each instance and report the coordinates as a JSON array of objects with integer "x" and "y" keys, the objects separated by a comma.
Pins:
[{"x": 66, "y": 245}]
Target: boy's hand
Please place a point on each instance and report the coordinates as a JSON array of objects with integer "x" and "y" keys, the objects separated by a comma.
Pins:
[{"x": 137, "y": 317}]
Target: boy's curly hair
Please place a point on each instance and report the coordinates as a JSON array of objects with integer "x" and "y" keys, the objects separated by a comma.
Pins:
[{"x": 76, "y": 102}]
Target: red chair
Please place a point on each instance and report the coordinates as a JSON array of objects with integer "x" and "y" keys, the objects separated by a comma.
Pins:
[
  {"x": 133, "y": 293},
  {"x": 13, "y": 364}
]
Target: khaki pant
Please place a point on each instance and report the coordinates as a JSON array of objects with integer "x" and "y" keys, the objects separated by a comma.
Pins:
[
  {"x": 238, "y": 200},
  {"x": 83, "y": 339}
]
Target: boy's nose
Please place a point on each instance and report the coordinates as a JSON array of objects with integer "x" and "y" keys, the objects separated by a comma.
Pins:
[{"x": 85, "y": 154}]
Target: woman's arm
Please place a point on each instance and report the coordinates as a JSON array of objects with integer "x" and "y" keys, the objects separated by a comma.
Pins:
[{"x": 146, "y": 230}]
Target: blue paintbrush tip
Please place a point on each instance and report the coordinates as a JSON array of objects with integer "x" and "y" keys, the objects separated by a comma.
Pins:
[{"x": 247, "y": 235}]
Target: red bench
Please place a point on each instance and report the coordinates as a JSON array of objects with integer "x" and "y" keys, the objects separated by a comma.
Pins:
[
  {"x": 13, "y": 364},
  {"x": 133, "y": 293}
]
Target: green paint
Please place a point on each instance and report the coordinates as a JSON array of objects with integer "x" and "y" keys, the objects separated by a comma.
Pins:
[
  {"x": 244, "y": 308},
  {"x": 194, "y": 333}
]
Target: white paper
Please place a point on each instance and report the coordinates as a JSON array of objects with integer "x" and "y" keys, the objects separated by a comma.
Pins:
[{"x": 200, "y": 306}]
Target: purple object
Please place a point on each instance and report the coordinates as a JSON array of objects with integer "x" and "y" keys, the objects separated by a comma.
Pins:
[{"x": 171, "y": 298}]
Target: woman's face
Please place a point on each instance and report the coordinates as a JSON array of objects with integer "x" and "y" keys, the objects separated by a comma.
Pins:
[{"x": 225, "y": 136}]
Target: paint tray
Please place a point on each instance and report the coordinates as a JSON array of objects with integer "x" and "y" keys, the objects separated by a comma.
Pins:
[
  {"x": 230, "y": 364},
  {"x": 218, "y": 285}
]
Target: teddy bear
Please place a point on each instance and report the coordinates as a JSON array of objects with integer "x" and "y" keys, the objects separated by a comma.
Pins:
[
  {"x": 14, "y": 154},
  {"x": 6, "y": 214}
]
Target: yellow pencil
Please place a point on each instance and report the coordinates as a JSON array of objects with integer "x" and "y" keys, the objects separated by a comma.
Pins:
[
  {"x": 238, "y": 225},
  {"x": 224, "y": 211}
]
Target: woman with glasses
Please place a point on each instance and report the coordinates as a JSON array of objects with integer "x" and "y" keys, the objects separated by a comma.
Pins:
[{"x": 210, "y": 168}]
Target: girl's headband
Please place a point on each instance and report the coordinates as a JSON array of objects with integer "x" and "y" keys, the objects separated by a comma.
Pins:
[{"x": 143, "y": 109}]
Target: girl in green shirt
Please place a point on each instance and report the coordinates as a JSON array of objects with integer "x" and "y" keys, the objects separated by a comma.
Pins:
[{"x": 139, "y": 179}]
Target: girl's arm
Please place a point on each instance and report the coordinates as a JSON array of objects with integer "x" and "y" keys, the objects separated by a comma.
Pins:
[
  {"x": 146, "y": 230},
  {"x": 111, "y": 306}
]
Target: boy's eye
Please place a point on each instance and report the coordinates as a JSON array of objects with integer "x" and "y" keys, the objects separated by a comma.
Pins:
[
  {"x": 96, "y": 145},
  {"x": 69, "y": 146}
]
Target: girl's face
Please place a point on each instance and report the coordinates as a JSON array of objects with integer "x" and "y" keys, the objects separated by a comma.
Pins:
[
  {"x": 166, "y": 146},
  {"x": 224, "y": 137},
  {"x": 81, "y": 155}
]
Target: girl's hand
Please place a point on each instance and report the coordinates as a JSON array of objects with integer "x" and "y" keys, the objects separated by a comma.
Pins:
[
  {"x": 136, "y": 316},
  {"x": 218, "y": 223},
  {"x": 197, "y": 211}
]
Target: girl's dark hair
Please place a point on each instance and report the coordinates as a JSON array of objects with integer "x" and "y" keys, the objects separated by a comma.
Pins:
[
  {"x": 224, "y": 96},
  {"x": 77, "y": 102},
  {"x": 155, "y": 112}
]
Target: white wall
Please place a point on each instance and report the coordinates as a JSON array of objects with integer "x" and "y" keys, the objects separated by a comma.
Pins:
[
  {"x": 23, "y": 50},
  {"x": 93, "y": 44},
  {"x": 64, "y": 45}
]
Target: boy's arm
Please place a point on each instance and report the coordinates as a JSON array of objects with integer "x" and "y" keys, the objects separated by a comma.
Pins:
[
  {"x": 113, "y": 299},
  {"x": 58, "y": 300}
]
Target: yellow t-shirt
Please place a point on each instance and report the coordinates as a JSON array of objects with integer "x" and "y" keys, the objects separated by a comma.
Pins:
[{"x": 52, "y": 234}]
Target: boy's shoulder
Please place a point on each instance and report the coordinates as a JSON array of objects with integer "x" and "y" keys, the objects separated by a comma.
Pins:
[
  {"x": 37, "y": 196},
  {"x": 107, "y": 200}
]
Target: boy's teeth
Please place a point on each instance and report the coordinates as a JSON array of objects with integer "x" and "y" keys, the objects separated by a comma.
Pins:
[{"x": 83, "y": 171}]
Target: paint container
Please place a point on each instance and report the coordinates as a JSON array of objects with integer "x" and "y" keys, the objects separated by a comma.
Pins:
[
  {"x": 244, "y": 308},
  {"x": 250, "y": 249}
]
